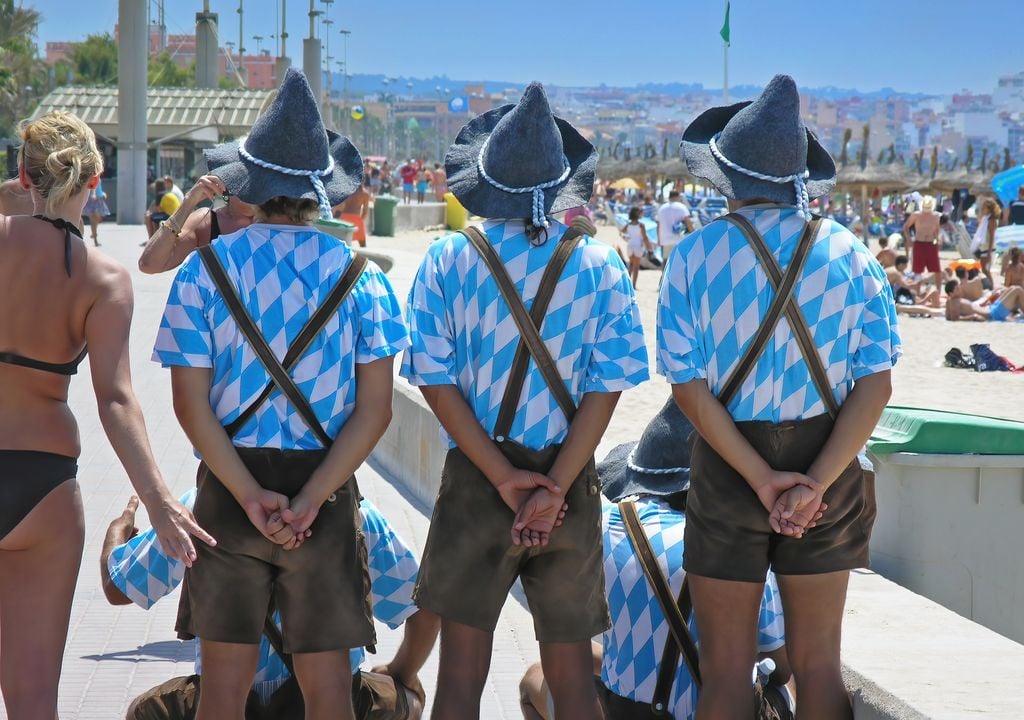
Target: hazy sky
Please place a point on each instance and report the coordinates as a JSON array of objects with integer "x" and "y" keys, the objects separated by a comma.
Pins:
[{"x": 938, "y": 46}]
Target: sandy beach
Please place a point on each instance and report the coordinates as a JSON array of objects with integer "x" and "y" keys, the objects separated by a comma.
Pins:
[{"x": 919, "y": 380}]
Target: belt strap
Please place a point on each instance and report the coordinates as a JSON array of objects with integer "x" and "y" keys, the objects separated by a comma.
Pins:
[
  {"x": 676, "y": 611},
  {"x": 784, "y": 289},
  {"x": 277, "y": 369},
  {"x": 797, "y": 321},
  {"x": 529, "y": 323}
]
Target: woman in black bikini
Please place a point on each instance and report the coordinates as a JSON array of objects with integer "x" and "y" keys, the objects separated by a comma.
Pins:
[
  {"x": 188, "y": 228},
  {"x": 56, "y": 297}
]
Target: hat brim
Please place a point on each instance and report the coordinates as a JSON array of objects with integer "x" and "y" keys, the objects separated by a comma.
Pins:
[
  {"x": 256, "y": 185},
  {"x": 618, "y": 481},
  {"x": 696, "y": 153},
  {"x": 481, "y": 198}
]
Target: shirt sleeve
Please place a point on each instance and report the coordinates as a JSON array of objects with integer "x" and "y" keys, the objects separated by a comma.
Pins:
[
  {"x": 430, "y": 360},
  {"x": 619, "y": 358},
  {"x": 382, "y": 331},
  {"x": 880, "y": 346},
  {"x": 393, "y": 568},
  {"x": 142, "y": 570},
  {"x": 185, "y": 337},
  {"x": 680, "y": 358},
  {"x": 771, "y": 626}
]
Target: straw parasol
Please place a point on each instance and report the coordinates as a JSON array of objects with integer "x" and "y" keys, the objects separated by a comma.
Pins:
[{"x": 626, "y": 183}]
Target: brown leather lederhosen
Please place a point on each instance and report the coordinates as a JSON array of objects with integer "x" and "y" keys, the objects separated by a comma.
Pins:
[
  {"x": 469, "y": 562},
  {"x": 727, "y": 532}
]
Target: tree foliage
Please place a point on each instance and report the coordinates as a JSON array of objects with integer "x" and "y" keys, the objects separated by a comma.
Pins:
[
  {"x": 164, "y": 72},
  {"x": 23, "y": 76},
  {"x": 94, "y": 61}
]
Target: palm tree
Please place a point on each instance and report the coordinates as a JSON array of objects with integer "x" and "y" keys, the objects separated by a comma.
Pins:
[{"x": 22, "y": 74}]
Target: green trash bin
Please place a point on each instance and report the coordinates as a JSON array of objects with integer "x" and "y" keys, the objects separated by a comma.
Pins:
[
  {"x": 384, "y": 210},
  {"x": 938, "y": 432},
  {"x": 338, "y": 228}
]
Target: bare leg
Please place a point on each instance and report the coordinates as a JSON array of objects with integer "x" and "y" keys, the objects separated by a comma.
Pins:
[
  {"x": 534, "y": 694},
  {"x": 568, "y": 669},
  {"x": 228, "y": 672},
  {"x": 94, "y": 224},
  {"x": 462, "y": 671},
  {"x": 813, "y": 605},
  {"x": 1013, "y": 299},
  {"x": 39, "y": 561},
  {"x": 634, "y": 269},
  {"x": 726, "y": 613},
  {"x": 326, "y": 682}
]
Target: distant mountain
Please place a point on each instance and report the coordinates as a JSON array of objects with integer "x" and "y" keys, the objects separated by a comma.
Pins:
[{"x": 435, "y": 87}]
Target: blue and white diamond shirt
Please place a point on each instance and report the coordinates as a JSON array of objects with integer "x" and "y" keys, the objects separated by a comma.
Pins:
[
  {"x": 145, "y": 573},
  {"x": 463, "y": 333},
  {"x": 634, "y": 643},
  {"x": 715, "y": 295},
  {"x": 282, "y": 273}
]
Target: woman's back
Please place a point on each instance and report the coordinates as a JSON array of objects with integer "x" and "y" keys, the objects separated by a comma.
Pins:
[{"x": 43, "y": 312}]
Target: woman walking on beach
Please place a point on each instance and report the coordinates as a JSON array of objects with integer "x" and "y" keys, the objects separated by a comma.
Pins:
[
  {"x": 57, "y": 297},
  {"x": 96, "y": 209},
  {"x": 637, "y": 242},
  {"x": 984, "y": 242},
  {"x": 784, "y": 387}
]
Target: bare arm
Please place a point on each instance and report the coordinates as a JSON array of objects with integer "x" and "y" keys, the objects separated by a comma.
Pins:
[
  {"x": 713, "y": 421},
  {"x": 909, "y": 224},
  {"x": 461, "y": 424},
  {"x": 418, "y": 639},
  {"x": 857, "y": 419},
  {"x": 164, "y": 250},
  {"x": 191, "y": 390},
  {"x": 351, "y": 447},
  {"x": 539, "y": 513},
  {"x": 121, "y": 530},
  {"x": 106, "y": 332}
]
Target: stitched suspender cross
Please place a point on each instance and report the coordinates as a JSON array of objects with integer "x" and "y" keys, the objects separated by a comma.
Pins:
[{"x": 784, "y": 302}]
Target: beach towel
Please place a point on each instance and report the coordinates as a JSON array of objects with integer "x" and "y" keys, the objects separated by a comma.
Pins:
[{"x": 986, "y": 360}]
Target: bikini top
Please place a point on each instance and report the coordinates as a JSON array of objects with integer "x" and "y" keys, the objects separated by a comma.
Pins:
[{"x": 68, "y": 368}]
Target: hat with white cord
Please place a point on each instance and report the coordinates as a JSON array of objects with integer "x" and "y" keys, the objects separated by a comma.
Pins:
[
  {"x": 760, "y": 149},
  {"x": 289, "y": 153}
]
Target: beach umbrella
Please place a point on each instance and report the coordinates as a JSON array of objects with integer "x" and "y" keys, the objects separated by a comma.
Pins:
[
  {"x": 1005, "y": 184},
  {"x": 626, "y": 183}
]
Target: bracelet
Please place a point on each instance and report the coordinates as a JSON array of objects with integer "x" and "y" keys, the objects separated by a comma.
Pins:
[{"x": 176, "y": 231}]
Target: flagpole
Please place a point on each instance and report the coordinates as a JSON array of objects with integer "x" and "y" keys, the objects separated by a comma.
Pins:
[
  {"x": 726, "y": 34},
  {"x": 725, "y": 88}
]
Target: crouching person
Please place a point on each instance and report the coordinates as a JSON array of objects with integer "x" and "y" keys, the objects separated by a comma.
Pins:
[
  {"x": 281, "y": 342},
  {"x": 135, "y": 568},
  {"x": 524, "y": 396},
  {"x": 640, "y": 671}
]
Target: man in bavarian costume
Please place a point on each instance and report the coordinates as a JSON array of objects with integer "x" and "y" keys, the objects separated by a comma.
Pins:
[
  {"x": 522, "y": 419},
  {"x": 281, "y": 343},
  {"x": 654, "y": 474},
  {"x": 781, "y": 412}
]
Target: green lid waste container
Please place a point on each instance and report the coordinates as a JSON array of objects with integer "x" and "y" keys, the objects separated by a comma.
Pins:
[
  {"x": 938, "y": 432},
  {"x": 950, "y": 511},
  {"x": 384, "y": 210},
  {"x": 455, "y": 216},
  {"x": 338, "y": 228}
]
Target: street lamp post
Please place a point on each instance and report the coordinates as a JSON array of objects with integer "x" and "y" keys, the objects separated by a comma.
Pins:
[{"x": 344, "y": 81}]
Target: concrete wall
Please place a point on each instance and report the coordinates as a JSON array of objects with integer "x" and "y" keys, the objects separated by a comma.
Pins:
[
  {"x": 951, "y": 527},
  {"x": 414, "y": 217},
  {"x": 905, "y": 657}
]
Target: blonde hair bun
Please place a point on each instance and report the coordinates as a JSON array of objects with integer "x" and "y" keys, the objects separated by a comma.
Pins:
[{"x": 59, "y": 155}]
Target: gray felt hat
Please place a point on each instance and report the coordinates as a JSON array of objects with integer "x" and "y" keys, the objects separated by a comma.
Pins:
[
  {"x": 760, "y": 149},
  {"x": 658, "y": 465},
  {"x": 520, "y": 161},
  {"x": 289, "y": 153}
]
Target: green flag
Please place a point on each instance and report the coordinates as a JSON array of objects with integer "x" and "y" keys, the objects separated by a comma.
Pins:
[{"x": 724, "y": 32}]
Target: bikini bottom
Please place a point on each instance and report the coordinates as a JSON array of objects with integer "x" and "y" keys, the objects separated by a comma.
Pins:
[{"x": 26, "y": 477}]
